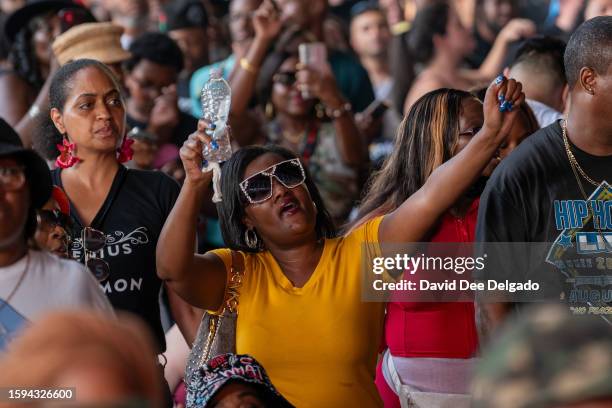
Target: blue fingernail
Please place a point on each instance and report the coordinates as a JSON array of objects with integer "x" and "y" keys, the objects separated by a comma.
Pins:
[
  {"x": 499, "y": 79},
  {"x": 501, "y": 97},
  {"x": 212, "y": 126},
  {"x": 214, "y": 145},
  {"x": 509, "y": 107},
  {"x": 204, "y": 163}
]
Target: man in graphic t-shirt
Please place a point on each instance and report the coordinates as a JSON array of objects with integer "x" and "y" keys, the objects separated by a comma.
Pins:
[{"x": 555, "y": 189}]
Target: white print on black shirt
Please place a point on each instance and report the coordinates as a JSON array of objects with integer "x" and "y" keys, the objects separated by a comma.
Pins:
[{"x": 117, "y": 244}]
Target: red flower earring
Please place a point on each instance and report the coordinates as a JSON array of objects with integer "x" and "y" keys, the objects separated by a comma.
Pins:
[
  {"x": 125, "y": 151},
  {"x": 66, "y": 158}
]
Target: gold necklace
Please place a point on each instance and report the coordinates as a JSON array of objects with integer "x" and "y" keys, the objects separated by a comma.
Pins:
[
  {"x": 572, "y": 158},
  {"x": 294, "y": 138},
  {"x": 577, "y": 169}
]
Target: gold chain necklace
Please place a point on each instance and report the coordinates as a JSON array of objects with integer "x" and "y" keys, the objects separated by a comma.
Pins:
[
  {"x": 572, "y": 158},
  {"x": 577, "y": 169},
  {"x": 294, "y": 138}
]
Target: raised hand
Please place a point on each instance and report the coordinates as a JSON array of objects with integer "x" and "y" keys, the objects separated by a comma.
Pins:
[
  {"x": 518, "y": 28},
  {"x": 319, "y": 82},
  {"x": 500, "y": 105},
  {"x": 266, "y": 21},
  {"x": 192, "y": 157}
]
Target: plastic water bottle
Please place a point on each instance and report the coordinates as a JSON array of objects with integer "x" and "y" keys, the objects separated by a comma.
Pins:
[{"x": 216, "y": 99}]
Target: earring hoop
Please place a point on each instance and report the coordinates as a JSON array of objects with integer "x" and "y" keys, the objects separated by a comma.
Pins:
[{"x": 250, "y": 238}]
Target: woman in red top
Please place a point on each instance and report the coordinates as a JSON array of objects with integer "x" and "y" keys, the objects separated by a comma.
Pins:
[{"x": 431, "y": 344}]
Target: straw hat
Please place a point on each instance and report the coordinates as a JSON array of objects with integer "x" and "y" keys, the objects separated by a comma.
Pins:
[{"x": 98, "y": 41}]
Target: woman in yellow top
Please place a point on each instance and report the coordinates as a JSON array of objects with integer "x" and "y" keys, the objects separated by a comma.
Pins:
[{"x": 301, "y": 313}]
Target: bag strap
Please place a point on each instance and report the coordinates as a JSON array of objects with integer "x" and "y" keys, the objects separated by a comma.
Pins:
[
  {"x": 235, "y": 281},
  {"x": 230, "y": 303}
]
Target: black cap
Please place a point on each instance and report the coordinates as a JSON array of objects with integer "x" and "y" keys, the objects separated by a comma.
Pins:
[
  {"x": 184, "y": 14},
  {"x": 20, "y": 18},
  {"x": 37, "y": 171}
]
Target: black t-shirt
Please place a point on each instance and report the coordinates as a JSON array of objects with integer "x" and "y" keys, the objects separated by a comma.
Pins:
[
  {"x": 533, "y": 197},
  {"x": 131, "y": 217},
  {"x": 186, "y": 126}
]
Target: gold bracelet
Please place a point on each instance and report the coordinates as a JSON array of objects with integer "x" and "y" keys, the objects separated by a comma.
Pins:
[
  {"x": 338, "y": 112},
  {"x": 247, "y": 66}
]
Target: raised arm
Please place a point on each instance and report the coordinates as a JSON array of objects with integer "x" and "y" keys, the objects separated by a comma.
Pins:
[
  {"x": 199, "y": 279},
  {"x": 267, "y": 24},
  {"x": 515, "y": 30},
  {"x": 415, "y": 217},
  {"x": 351, "y": 142}
]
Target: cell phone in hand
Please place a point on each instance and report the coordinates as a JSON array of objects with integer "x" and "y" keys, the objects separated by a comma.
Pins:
[
  {"x": 312, "y": 55},
  {"x": 376, "y": 109}
]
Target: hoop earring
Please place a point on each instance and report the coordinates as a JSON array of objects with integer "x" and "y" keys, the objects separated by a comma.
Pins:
[
  {"x": 125, "y": 152},
  {"x": 66, "y": 157},
  {"x": 250, "y": 237},
  {"x": 269, "y": 110}
]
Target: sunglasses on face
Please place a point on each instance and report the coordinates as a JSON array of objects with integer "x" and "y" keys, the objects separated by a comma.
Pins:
[
  {"x": 12, "y": 178},
  {"x": 287, "y": 78},
  {"x": 94, "y": 240},
  {"x": 54, "y": 218},
  {"x": 258, "y": 187}
]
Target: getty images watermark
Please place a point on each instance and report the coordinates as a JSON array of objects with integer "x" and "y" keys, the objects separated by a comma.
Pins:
[
  {"x": 435, "y": 265},
  {"x": 508, "y": 272}
]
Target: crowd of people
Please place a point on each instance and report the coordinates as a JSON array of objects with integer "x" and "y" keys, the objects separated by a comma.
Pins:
[{"x": 355, "y": 125}]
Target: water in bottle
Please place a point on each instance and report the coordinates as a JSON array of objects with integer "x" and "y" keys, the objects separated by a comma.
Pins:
[{"x": 216, "y": 99}]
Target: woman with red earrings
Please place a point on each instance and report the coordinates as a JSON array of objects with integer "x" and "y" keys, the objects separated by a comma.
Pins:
[{"x": 118, "y": 212}]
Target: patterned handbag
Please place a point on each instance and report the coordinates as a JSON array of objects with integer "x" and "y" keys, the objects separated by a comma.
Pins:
[{"x": 217, "y": 332}]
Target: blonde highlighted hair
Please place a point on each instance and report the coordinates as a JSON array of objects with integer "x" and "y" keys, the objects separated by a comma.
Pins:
[{"x": 426, "y": 138}]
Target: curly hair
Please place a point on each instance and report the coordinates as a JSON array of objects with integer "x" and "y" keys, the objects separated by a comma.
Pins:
[{"x": 22, "y": 56}]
